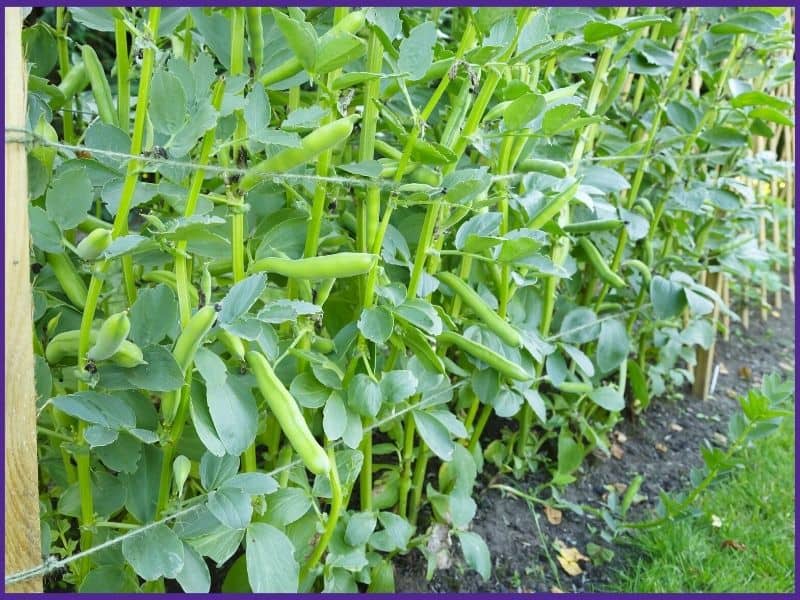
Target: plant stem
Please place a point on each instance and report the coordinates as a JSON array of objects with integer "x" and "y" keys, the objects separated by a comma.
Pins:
[
  {"x": 63, "y": 69},
  {"x": 408, "y": 458},
  {"x": 333, "y": 517},
  {"x": 420, "y": 468},
  {"x": 123, "y": 75}
]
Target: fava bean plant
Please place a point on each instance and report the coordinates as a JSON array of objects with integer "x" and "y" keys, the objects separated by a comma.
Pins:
[{"x": 301, "y": 276}]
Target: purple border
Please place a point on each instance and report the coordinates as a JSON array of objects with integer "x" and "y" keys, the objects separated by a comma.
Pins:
[{"x": 423, "y": 3}]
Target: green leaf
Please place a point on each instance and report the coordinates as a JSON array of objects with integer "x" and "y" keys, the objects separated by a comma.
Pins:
[
  {"x": 360, "y": 528},
  {"x": 109, "y": 579},
  {"x": 153, "y": 553},
  {"x": 570, "y": 454},
  {"x": 607, "y": 397},
  {"x": 304, "y": 118},
  {"x": 397, "y": 386},
  {"x": 434, "y": 434},
  {"x": 583, "y": 362},
  {"x": 338, "y": 49},
  {"x": 523, "y": 110},
  {"x": 376, "y": 324},
  {"x": 194, "y": 577},
  {"x": 153, "y": 315},
  {"x": 167, "y": 108},
  {"x": 395, "y": 535},
  {"x": 668, "y": 297},
  {"x": 231, "y": 506},
  {"x": 767, "y": 113},
  {"x": 749, "y": 21},
  {"x": 69, "y": 198},
  {"x": 596, "y": 31},
  {"x": 364, "y": 395},
  {"x": 535, "y": 401},
  {"x": 479, "y": 233},
  {"x": 241, "y": 297},
  {"x": 161, "y": 372},
  {"x": 105, "y": 410},
  {"x": 613, "y": 345},
  {"x": 334, "y": 417},
  {"x": 45, "y": 234},
  {"x": 257, "y": 110},
  {"x": 421, "y": 314},
  {"x": 308, "y": 392},
  {"x": 287, "y": 505},
  {"x": 476, "y": 553},
  {"x": 724, "y": 137},
  {"x": 271, "y": 566},
  {"x": 301, "y": 38},
  {"x": 579, "y": 326},
  {"x": 756, "y": 98},
  {"x": 283, "y": 310},
  {"x": 216, "y": 470},
  {"x": 682, "y": 116},
  {"x": 416, "y": 51},
  {"x": 555, "y": 118}
]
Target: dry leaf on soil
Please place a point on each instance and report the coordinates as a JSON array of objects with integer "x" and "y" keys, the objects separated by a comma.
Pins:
[
  {"x": 675, "y": 427},
  {"x": 733, "y": 544},
  {"x": 621, "y": 437},
  {"x": 745, "y": 372},
  {"x": 568, "y": 559},
  {"x": 617, "y": 451},
  {"x": 661, "y": 448},
  {"x": 553, "y": 515}
]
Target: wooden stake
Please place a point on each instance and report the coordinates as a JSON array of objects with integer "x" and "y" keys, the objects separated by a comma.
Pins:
[
  {"x": 776, "y": 223},
  {"x": 726, "y": 298},
  {"x": 23, "y": 545},
  {"x": 705, "y": 358},
  {"x": 762, "y": 234},
  {"x": 788, "y": 156}
]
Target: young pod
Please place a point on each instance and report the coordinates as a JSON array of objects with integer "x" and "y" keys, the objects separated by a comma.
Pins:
[
  {"x": 342, "y": 264},
  {"x": 113, "y": 332},
  {"x": 491, "y": 319},
  {"x": 94, "y": 244},
  {"x": 498, "y": 362},
  {"x": 65, "y": 345},
  {"x": 603, "y": 271},
  {"x": 100, "y": 88},
  {"x": 288, "y": 414},
  {"x": 68, "y": 279}
]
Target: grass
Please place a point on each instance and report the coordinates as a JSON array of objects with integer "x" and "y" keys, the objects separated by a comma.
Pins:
[{"x": 756, "y": 508}]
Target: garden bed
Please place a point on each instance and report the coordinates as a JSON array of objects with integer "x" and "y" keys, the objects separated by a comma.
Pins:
[{"x": 519, "y": 558}]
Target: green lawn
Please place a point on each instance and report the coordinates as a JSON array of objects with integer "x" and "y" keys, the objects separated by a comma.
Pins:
[{"x": 752, "y": 550}]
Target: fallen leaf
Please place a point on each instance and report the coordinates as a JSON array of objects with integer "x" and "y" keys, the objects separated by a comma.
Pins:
[
  {"x": 716, "y": 521},
  {"x": 620, "y": 487},
  {"x": 568, "y": 559},
  {"x": 733, "y": 544},
  {"x": 776, "y": 314},
  {"x": 661, "y": 448},
  {"x": 556, "y": 590},
  {"x": 553, "y": 515},
  {"x": 731, "y": 393},
  {"x": 720, "y": 439},
  {"x": 617, "y": 451},
  {"x": 745, "y": 372},
  {"x": 675, "y": 427},
  {"x": 786, "y": 367},
  {"x": 621, "y": 437},
  {"x": 723, "y": 370}
]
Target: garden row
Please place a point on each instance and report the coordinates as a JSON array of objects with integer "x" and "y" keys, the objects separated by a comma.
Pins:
[{"x": 288, "y": 264}]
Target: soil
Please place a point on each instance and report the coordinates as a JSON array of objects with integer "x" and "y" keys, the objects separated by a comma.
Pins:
[{"x": 662, "y": 444}]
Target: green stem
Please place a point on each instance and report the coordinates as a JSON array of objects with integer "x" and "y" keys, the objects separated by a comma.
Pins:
[
  {"x": 365, "y": 477},
  {"x": 333, "y": 518},
  {"x": 63, "y": 69},
  {"x": 408, "y": 458},
  {"x": 417, "y": 486},
  {"x": 366, "y": 147},
  {"x": 486, "y": 412},
  {"x": 123, "y": 75}
]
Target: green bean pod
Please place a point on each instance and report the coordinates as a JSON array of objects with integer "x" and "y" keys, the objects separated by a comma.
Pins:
[
  {"x": 491, "y": 319},
  {"x": 287, "y": 412},
  {"x": 232, "y": 343},
  {"x": 549, "y": 211},
  {"x": 65, "y": 345},
  {"x": 73, "y": 83},
  {"x": 342, "y": 264},
  {"x": 113, "y": 332},
  {"x": 192, "y": 336},
  {"x": 574, "y": 387},
  {"x": 500, "y": 363},
  {"x": 100, "y": 88},
  {"x": 255, "y": 30},
  {"x": 643, "y": 269},
  {"x": 592, "y": 226},
  {"x": 602, "y": 269},
  {"x": 543, "y": 165},
  {"x": 68, "y": 278},
  {"x": 311, "y": 146},
  {"x": 94, "y": 244}
]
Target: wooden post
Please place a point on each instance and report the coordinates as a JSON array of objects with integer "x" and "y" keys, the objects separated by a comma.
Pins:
[
  {"x": 23, "y": 545},
  {"x": 761, "y": 191},
  {"x": 726, "y": 299},
  {"x": 774, "y": 195},
  {"x": 788, "y": 156},
  {"x": 705, "y": 358}
]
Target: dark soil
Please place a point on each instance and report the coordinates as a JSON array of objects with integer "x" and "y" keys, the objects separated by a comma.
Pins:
[{"x": 519, "y": 546}]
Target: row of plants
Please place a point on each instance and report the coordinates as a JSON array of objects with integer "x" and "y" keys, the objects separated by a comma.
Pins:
[{"x": 288, "y": 265}]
